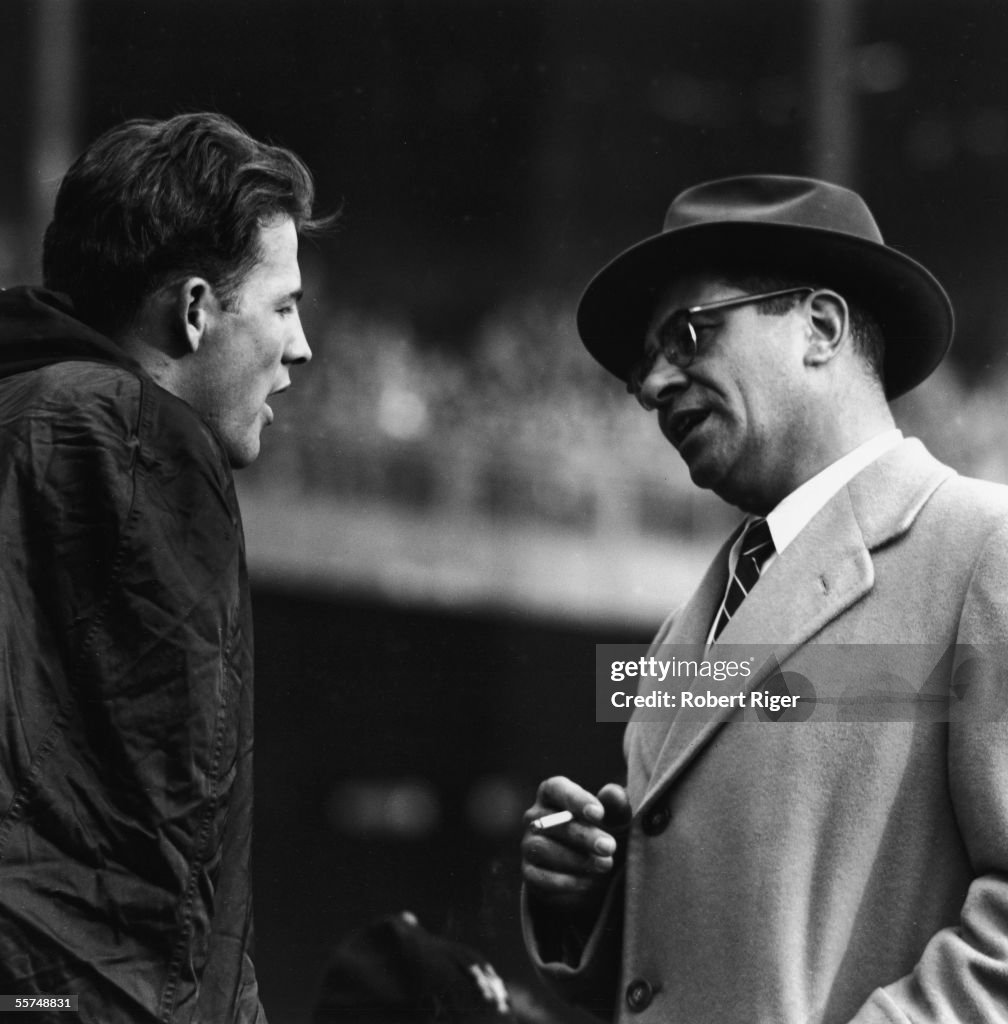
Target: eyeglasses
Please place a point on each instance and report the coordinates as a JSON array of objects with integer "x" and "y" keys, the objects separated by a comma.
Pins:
[{"x": 677, "y": 336}]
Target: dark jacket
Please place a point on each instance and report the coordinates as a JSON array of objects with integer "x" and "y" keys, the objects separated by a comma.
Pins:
[{"x": 125, "y": 687}]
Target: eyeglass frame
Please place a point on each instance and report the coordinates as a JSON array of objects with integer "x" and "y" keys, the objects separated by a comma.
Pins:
[{"x": 641, "y": 369}]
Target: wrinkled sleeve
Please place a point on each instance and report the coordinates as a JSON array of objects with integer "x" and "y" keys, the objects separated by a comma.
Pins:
[{"x": 582, "y": 968}]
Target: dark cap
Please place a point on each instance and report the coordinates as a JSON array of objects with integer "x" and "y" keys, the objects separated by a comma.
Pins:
[
  {"x": 393, "y": 971},
  {"x": 773, "y": 223}
]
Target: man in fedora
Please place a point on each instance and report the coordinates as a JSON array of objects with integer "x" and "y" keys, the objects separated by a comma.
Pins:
[{"x": 852, "y": 867}]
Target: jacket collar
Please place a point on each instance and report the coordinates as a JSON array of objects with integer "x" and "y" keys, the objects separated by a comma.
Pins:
[
  {"x": 823, "y": 572},
  {"x": 39, "y": 328}
]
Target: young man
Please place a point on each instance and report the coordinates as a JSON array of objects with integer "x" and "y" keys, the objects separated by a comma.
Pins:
[
  {"x": 129, "y": 388},
  {"x": 767, "y": 872}
]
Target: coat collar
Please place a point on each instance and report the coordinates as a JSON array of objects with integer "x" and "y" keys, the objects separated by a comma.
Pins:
[{"x": 823, "y": 572}]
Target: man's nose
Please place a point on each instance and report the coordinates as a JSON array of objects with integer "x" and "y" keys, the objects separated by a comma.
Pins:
[
  {"x": 662, "y": 384},
  {"x": 298, "y": 350}
]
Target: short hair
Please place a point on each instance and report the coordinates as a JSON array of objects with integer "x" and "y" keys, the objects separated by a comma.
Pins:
[
  {"x": 866, "y": 332},
  {"x": 151, "y": 201}
]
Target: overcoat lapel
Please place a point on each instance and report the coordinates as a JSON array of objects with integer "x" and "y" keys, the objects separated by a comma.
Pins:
[
  {"x": 686, "y": 634},
  {"x": 824, "y": 571}
]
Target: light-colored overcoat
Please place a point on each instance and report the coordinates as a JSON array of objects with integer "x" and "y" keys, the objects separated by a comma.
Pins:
[{"x": 830, "y": 871}]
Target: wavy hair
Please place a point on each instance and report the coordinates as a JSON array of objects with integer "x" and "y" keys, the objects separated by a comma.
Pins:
[{"x": 152, "y": 201}]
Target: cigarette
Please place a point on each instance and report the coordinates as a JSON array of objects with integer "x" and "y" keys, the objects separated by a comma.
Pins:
[{"x": 551, "y": 820}]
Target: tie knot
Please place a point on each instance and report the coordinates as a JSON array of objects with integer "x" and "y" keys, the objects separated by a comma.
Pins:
[{"x": 757, "y": 542}]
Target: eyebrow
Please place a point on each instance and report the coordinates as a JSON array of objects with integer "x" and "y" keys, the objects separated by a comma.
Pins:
[{"x": 294, "y": 296}]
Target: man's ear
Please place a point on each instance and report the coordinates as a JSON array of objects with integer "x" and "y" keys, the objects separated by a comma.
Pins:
[
  {"x": 194, "y": 304},
  {"x": 829, "y": 320}
]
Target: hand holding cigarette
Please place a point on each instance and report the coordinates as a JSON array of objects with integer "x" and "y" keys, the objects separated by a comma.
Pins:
[{"x": 572, "y": 841}]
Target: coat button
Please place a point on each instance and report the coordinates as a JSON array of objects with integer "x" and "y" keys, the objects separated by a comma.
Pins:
[
  {"x": 639, "y": 994},
  {"x": 656, "y": 820}
]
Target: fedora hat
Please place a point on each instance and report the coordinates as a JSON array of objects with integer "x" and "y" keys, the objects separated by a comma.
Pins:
[{"x": 799, "y": 227}]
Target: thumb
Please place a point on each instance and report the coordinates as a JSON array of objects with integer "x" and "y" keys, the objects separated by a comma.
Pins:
[{"x": 617, "y": 806}]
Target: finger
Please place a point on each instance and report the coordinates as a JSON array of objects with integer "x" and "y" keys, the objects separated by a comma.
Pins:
[
  {"x": 558, "y": 883},
  {"x": 560, "y": 793},
  {"x": 618, "y": 811},
  {"x": 584, "y": 840},
  {"x": 555, "y": 856}
]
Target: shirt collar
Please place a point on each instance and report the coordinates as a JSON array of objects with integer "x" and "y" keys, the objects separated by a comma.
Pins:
[{"x": 795, "y": 512}]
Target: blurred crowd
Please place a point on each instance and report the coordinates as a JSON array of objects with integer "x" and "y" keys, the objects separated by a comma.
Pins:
[{"x": 522, "y": 426}]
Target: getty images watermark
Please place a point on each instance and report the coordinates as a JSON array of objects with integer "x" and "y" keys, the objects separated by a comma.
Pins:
[{"x": 810, "y": 683}]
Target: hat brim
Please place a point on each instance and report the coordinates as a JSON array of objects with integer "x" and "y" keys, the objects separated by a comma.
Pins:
[{"x": 910, "y": 305}]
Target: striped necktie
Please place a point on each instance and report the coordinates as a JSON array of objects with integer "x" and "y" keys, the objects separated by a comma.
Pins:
[{"x": 757, "y": 547}]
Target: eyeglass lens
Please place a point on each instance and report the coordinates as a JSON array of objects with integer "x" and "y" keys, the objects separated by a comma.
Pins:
[{"x": 677, "y": 343}]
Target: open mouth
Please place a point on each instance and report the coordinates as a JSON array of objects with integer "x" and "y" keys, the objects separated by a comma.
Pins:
[
  {"x": 682, "y": 424},
  {"x": 267, "y": 408}
]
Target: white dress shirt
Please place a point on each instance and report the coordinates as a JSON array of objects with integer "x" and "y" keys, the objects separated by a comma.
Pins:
[{"x": 796, "y": 511}]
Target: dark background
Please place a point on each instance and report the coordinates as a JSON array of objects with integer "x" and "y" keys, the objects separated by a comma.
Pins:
[
  {"x": 412, "y": 689},
  {"x": 482, "y": 146}
]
